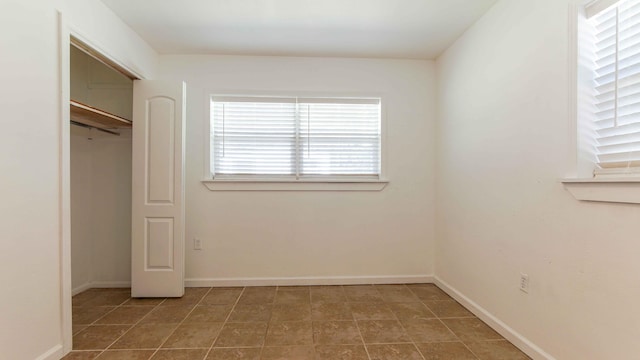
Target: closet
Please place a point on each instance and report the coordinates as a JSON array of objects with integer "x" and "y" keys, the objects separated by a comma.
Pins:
[{"x": 100, "y": 158}]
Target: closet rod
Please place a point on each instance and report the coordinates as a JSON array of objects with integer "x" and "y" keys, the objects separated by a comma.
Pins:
[{"x": 93, "y": 127}]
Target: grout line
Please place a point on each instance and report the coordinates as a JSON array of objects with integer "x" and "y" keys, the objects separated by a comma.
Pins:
[
  {"x": 495, "y": 340},
  {"x": 405, "y": 329},
  {"x": 273, "y": 303},
  {"x": 131, "y": 326},
  {"x": 462, "y": 342},
  {"x": 313, "y": 338},
  {"x": 114, "y": 309},
  {"x": 180, "y": 323},
  {"x": 439, "y": 318},
  {"x": 226, "y": 320},
  {"x": 364, "y": 344},
  {"x": 392, "y": 343}
]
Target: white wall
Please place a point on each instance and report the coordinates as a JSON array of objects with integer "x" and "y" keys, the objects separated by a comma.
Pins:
[
  {"x": 111, "y": 212},
  {"x": 504, "y": 134},
  {"x": 100, "y": 208},
  {"x": 275, "y": 235},
  {"x": 30, "y": 161},
  {"x": 81, "y": 216}
]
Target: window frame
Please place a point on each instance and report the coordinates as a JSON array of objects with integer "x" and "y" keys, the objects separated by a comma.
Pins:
[
  {"x": 285, "y": 183},
  {"x": 580, "y": 180}
]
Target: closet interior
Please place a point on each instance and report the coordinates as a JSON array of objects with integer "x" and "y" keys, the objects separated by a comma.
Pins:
[{"x": 101, "y": 113}]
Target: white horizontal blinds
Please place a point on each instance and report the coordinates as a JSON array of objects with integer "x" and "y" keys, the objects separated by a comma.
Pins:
[
  {"x": 595, "y": 7},
  {"x": 295, "y": 136},
  {"x": 253, "y": 136},
  {"x": 617, "y": 85},
  {"x": 339, "y": 137}
]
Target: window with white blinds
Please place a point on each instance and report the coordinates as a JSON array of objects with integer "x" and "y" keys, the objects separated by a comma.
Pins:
[
  {"x": 294, "y": 137},
  {"x": 616, "y": 77}
]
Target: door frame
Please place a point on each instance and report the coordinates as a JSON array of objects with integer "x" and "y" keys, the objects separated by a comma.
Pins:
[{"x": 67, "y": 32}]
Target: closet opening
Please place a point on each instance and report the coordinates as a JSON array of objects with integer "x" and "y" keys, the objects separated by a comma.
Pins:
[{"x": 101, "y": 100}]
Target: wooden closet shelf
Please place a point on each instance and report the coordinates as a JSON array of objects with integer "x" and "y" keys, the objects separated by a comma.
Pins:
[{"x": 97, "y": 118}]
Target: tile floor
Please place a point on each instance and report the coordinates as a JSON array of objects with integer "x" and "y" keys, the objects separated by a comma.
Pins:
[{"x": 364, "y": 322}]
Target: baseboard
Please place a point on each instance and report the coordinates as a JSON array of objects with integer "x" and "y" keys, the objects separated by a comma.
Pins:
[
  {"x": 100, "y": 285},
  {"x": 110, "y": 284},
  {"x": 81, "y": 288},
  {"x": 503, "y": 329},
  {"x": 55, "y": 353},
  {"x": 308, "y": 280}
]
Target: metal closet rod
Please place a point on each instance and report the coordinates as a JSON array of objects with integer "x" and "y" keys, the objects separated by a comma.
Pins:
[{"x": 93, "y": 127}]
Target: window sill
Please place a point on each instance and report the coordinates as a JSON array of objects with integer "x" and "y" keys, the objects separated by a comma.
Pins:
[
  {"x": 295, "y": 185},
  {"x": 614, "y": 190}
]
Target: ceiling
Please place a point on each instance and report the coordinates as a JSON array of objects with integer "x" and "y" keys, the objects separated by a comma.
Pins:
[{"x": 420, "y": 29}]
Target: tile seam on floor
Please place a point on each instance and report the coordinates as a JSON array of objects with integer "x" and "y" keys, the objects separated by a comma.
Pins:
[
  {"x": 457, "y": 317},
  {"x": 405, "y": 329},
  {"x": 264, "y": 342},
  {"x": 129, "y": 329},
  {"x": 366, "y": 350},
  {"x": 99, "y": 318},
  {"x": 180, "y": 323},
  {"x": 115, "y": 307},
  {"x": 459, "y": 338},
  {"x": 226, "y": 320},
  {"x": 445, "y": 325},
  {"x": 132, "y": 326}
]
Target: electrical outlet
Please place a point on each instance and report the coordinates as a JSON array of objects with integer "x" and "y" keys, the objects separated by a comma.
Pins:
[
  {"x": 524, "y": 283},
  {"x": 197, "y": 244}
]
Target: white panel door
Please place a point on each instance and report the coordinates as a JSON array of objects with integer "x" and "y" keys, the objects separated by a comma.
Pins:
[{"x": 158, "y": 189}]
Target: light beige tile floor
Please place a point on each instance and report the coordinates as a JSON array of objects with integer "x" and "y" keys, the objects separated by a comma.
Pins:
[{"x": 368, "y": 322}]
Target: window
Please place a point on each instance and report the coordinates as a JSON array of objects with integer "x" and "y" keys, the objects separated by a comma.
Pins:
[
  {"x": 607, "y": 55},
  {"x": 295, "y": 138},
  {"x": 614, "y": 35}
]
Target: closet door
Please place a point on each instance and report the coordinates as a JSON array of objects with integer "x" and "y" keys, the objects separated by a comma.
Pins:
[{"x": 158, "y": 189}]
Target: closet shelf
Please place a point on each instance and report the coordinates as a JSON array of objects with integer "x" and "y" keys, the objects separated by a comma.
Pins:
[{"x": 97, "y": 118}]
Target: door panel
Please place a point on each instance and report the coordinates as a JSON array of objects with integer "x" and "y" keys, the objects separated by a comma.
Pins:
[
  {"x": 160, "y": 151},
  {"x": 158, "y": 189},
  {"x": 159, "y": 244}
]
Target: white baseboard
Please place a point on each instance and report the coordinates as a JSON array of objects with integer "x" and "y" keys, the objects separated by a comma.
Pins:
[
  {"x": 55, "y": 353},
  {"x": 81, "y": 288},
  {"x": 100, "y": 285},
  {"x": 309, "y": 280},
  {"x": 110, "y": 284},
  {"x": 496, "y": 324}
]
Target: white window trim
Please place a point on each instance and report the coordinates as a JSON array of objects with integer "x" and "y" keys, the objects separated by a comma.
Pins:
[
  {"x": 294, "y": 185},
  {"x": 608, "y": 190},
  {"x": 579, "y": 180},
  {"x": 289, "y": 184}
]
